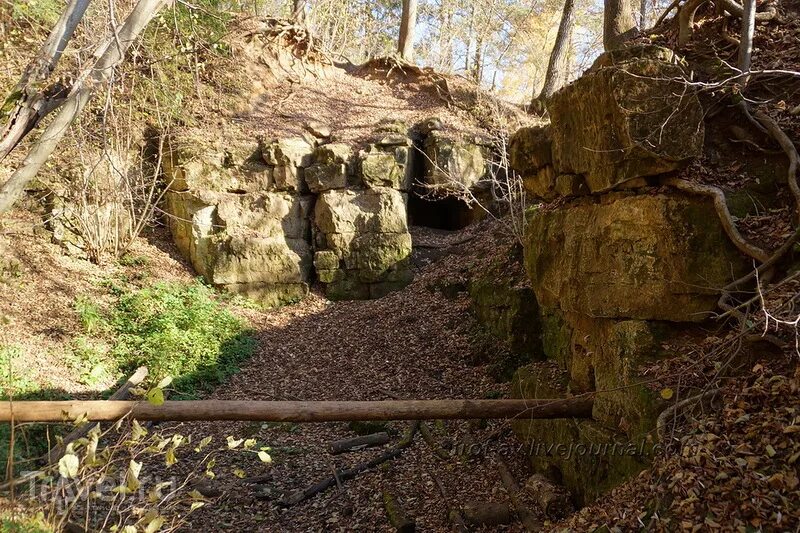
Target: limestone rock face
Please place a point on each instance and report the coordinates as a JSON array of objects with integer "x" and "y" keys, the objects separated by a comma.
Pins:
[
  {"x": 387, "y": 163},
  {"x": 330, "y": 168},
  {"x": 453, "y": 163},
  {"x": 654, "y": 257},
  {"x": 255, "y": 244},
  {"x": 362, "y": 242},
  {"x": 622, "y": 120},
  {"x": 216, "y": 170},
  {"x": 289, "y": 157},
  {"x": 530, "y": 149}
]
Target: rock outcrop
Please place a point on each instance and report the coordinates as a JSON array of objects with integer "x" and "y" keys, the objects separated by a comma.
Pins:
[
  {"x": 616, "y": 268},
  {"x": 652, "y": 257},
  {"x": 631, "y": 116},
  {"x": 362, "y": 242},
  {"x": 268, "y": 220}
]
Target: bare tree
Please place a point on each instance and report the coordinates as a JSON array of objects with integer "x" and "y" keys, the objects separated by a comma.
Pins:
[
  {"x": 619, "y": 23},
  {"x": 407, "y": 24},
  {"x": 110, "y": 54},
  {"x": 748, "y": 29},
  {"x": 30, "y": 102},
  {"x": 557, "y": 68}
]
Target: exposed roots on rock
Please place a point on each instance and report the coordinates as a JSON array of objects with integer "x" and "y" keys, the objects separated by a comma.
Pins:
[
  {"x": 724, "y": 215},
  {"x": 737, "y": 10}
]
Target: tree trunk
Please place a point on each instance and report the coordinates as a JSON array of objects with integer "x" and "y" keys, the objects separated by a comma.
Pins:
[
  {"x": 299, "y": 11},
  {"x": 748, "y": 29},
  {"x": 30, "y": 105},
  {"x": 642, "y": 14},
  {"x": 557, "y": 68},
  {"x": 111, "y": 54},
  {"x": 407, "y": 24},
  {"x": 618, "y": 23},
  {"x": 477, "y": 72},
  {"x": 296, "y": 411}
]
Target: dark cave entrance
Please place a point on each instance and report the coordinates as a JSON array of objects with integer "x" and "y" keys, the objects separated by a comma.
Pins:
[{"x": 446, "y": 213}]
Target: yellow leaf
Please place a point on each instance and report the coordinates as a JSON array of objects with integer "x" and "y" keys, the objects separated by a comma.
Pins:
[
  {"x": 156, "y": 396},
  {"x": 667, "y": 393},
  {"x": 68, "y": 466},
  {"x": 132, "y": 475},
  {"x": 203, "y": 444},
  {"x": 164, "y": 383},
  {"x": 169, "y": 458},
  {"x": 264, "y": 456},
  {"x": 239, "y": 473},
  {"x": 249, "y": 443},
  {"x": 155, "y": 524},
  {"x": 234, "y": 443},
  {"x": 196, "y": 505}
]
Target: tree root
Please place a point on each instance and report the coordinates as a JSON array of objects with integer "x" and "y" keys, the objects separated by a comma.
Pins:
[
  {"x": 673, "y": 410},
  {"x": 724, "y": 215},
  {"x": 686, "y": 20},
  {"x": 737, "y": 10}
]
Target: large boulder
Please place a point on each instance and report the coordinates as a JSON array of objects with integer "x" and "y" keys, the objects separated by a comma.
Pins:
[
  {"x": 288, "y": 159},
  {"x": 330, "y": 169},
  {"x": 209, "y": 168},
  {"x": 387, "y": 163},
  {"x": 362, "y": 242},
  {"x": 654, "y": 257},
  {"x": 630, "y": 116},
  {"x": 530, "y": 149},
  {"x": 454, "y": 163},
  {"x": 255, "y": 244}
]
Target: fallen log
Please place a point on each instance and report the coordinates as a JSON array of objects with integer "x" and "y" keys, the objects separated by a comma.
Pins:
[
  {"x": 295, "y": 411},
  {"x": 529, "y": 521},
  {"x": 358, "y": 443},
  {"x": 340, "y": 476},
  {"x": 397, "y": 516},
  {"x": 487, "y": 513}
]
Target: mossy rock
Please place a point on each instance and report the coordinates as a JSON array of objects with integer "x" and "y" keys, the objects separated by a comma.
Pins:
[{"x": 654, "y": 257}]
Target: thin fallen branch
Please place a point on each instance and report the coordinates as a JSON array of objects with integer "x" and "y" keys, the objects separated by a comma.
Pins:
[
  {"x": 456, "y": 520},
  {"x": 528, "y": 519},
  {"x": 437, "y": 450},
  {"x": 340, "y": 476},
  {"x": 673, "y": 410},
  {"x": 124, "y": 392},
  {"x": 722, "y": 212}
]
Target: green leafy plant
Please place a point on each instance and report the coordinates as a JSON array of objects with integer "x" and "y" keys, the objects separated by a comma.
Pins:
[
  {"x": 90, "y": 360},
  {"x": 90, "y": 315},
  {"x": 179, "y": 330}
]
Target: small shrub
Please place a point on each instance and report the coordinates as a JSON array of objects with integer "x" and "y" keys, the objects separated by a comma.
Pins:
[
  {"x": 181, "y": 331},
  {"x": 90, "y": 315}
]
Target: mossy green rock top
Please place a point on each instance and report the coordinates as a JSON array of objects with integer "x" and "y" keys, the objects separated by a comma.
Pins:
[
  {"x": 654, "y": 257},
  {"x": 627, "y": 118}
]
